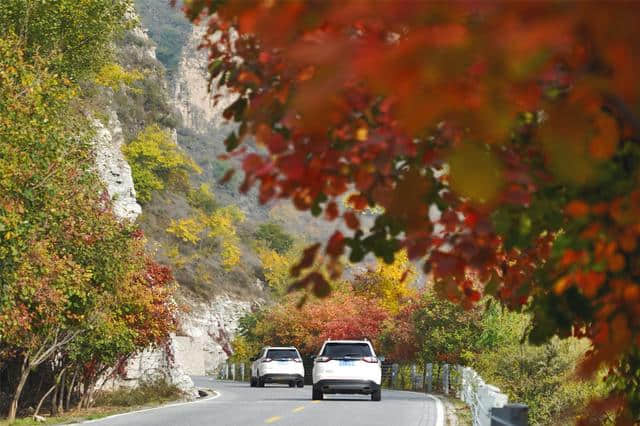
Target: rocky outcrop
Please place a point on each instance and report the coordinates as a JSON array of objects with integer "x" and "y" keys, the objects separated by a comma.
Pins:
[
  {"x": 192, "y": 97},
  {"x": 214, "y": 324},
  {"x": 113, "y": 168},
  {"x": 150, "y": 365},
  {"x": 111, "y": 165}
]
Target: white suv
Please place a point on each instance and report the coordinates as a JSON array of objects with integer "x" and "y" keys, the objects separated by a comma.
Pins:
[
  {"x": 347, "y": 366},
  {"x": 277, "y": 365}
]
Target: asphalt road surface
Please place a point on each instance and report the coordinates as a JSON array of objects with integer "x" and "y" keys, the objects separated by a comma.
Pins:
[{"x": 239, "y": 404}]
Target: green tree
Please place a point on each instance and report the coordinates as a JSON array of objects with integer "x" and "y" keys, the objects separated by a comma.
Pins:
[
  {"x": 202, "y": 198},
  {"x": 446, "y": 332},
  {"x": 74, "y": 36},
  {"x": 157, "y": 161},
  {"x": 532, "y": 107},
  {"x": 543, "y": 377},
  {"x": 65, "y": 259},
  {"x": 274, "y": 236}
]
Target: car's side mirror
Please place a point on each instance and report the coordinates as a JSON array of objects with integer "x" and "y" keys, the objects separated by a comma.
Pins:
[
  {"x": 253, "y": 358},
  {"x": 381, "y": 358},
  {"x": 313, "y": 357}
]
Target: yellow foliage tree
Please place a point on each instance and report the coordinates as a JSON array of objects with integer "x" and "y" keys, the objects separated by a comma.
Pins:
[
  {"x": 114, "y": 76},
  {"x": 220, "y": 225},
  {"x": 230, "y": 254},
  {"x": 187, "y": 229},
  {"x": 276, "y": 267},
  {"x": 156, "y": 161},
  {"x": 388, "y": 283}
]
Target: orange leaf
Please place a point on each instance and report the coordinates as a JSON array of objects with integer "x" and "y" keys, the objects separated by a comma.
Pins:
[
  {"x": 616, "y": 262},
  {"x": 577, "y": 208}
]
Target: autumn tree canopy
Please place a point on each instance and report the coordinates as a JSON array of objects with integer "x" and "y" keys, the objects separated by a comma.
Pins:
[
  {"x": 519, "y": 121},
  {"x": 79, "y": 292}
]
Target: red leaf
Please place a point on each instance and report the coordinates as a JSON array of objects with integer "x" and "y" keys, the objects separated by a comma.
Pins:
[
  {"x": 227, "y": 176},
  {"x": 364, "y": 179},
  {"x": 446, "y": 265},
  {"x": 292, "y": 165},
  {"x": 308, "y": 256},
  {"x": 264, "y": 57},
  {"x": 335, "y": 246},
  {"x": 351, "y": 220},
  {"x": 251, "y": 163},
  {"x": 321, "y": 287},
  {"x": 357, "y": 201},
  {"x": 331, "y": 212}
]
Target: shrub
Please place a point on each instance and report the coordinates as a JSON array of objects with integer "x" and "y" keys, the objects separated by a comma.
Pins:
[
  {"x": 202, "y": 198},
  {"x": 275, "y": 237},
  {"x": 542, "y": 377},
  {"x": 150, "y": 392},
  {"x": 157, "y": 161},
  {"x": 114, "y": 76}
]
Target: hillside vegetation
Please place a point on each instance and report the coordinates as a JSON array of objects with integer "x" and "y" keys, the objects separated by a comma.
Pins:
[
  {"x": 79, "y": 292},
  {"x": 168, "y": 28}
]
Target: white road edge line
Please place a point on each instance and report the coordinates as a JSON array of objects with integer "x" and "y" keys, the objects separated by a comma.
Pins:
[
  {"x": 177, "y": 404},
  {"x": 439, "y": 410}
]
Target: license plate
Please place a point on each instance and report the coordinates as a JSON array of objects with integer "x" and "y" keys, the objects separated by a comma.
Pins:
[{"x": 346, "y": 363}]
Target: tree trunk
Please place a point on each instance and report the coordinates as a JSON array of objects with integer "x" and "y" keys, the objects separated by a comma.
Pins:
[
  {"x": 56, "y": 394},
  {"x": 82, "y": 394},
  {"x": 54, "y": 399},
  {"x": 70, "y": 390},
  {"x": 25, "y": 369},
  {"x": 42, "y": 400},
  {"x": 62, "y": 383}
]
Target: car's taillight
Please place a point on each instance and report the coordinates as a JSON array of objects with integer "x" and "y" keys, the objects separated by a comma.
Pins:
[
  {"x": 297, "y": 360},
  {"x": 267, "y": 360},
  {"x": 322, "y": 359},
  {"x": 371, "y": 359}
]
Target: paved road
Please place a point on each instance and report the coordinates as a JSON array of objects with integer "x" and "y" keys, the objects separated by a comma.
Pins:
[{"x": 238, "y": 404}]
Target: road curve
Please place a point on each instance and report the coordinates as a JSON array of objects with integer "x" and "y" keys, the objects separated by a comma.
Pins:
[{"x": 239, "y": 404}]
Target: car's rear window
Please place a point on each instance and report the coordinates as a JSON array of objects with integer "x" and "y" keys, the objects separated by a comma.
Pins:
[
  {"x": 338, "y": 350},
  {"x": 282, "y": 353}
]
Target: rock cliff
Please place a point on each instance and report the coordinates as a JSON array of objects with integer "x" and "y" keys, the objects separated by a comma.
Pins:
[
  {"x": 191, "y": 95},
  {"x": 114, "y": 169},
  {"x": 115, "y": 172}
]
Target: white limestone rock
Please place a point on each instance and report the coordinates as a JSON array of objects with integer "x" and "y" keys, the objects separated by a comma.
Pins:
[
  {"x": 113, "y": 168},
  {"x": 192, "y": 97},
  {"x": 215, "y": 323}
]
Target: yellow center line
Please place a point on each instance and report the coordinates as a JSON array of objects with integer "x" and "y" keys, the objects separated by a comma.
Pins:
[
  {"x": 315, "y": 402},
  {"x": 297, "y": 409},
  {"x": 272, "y": 419}
]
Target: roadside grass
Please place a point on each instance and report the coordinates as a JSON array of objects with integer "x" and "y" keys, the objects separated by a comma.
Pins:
[
  {"x": 147, "y": 395},
  {"x": 459, "y": 410},
  {"x": 155, "y": 392},
  {"x": 71, "y": 416}
]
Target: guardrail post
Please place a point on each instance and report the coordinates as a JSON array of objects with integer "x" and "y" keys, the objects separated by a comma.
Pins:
[
  {"x": 445, "y": 379},
  {"x": 226, "y": 371},
  {"x": 429, "y": 375},
  {"x": 242, "y": 372},
  {"x": 414, "y": 377},
  {"x": 233, "y": 371},
  {"x": 394, "y": 375},
  {"x": 510, "y": 414}
]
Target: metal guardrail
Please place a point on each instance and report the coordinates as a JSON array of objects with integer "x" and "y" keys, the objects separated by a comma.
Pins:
[{"x": 461, "y": 382}]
